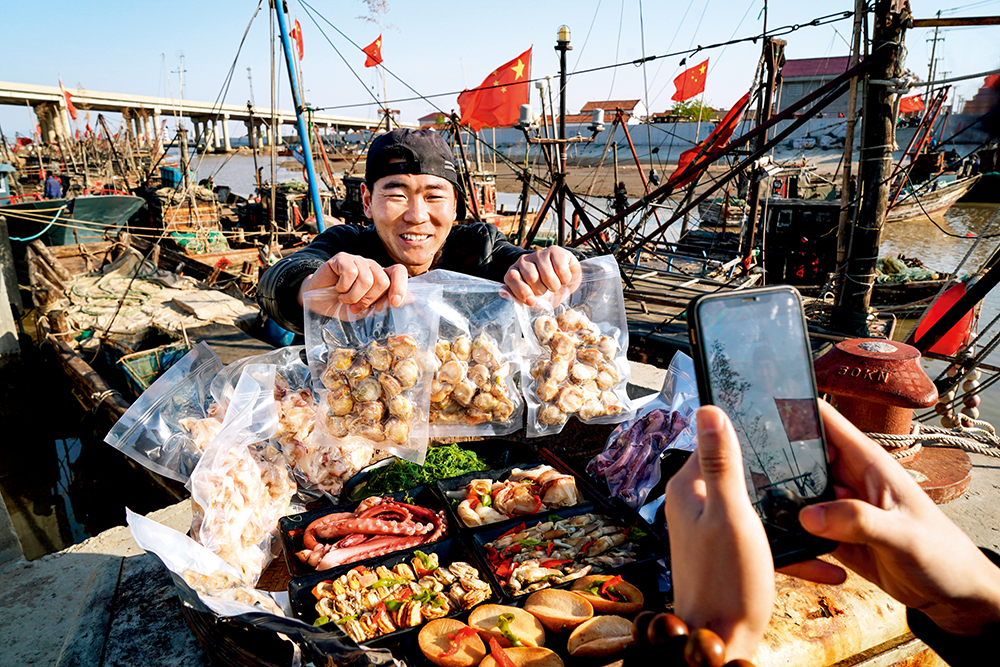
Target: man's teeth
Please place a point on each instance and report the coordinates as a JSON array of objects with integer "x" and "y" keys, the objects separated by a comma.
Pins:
[{"x": 415, "y": 237}]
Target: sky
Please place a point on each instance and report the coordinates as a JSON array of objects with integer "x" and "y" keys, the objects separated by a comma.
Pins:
[{"x": 437, "y": 48}]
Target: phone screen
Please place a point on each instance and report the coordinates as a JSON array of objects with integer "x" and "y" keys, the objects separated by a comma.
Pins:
[{"x": 757, "y": 367}]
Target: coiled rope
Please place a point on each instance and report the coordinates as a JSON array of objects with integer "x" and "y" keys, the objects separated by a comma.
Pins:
[{"x": 972, "y": 435}]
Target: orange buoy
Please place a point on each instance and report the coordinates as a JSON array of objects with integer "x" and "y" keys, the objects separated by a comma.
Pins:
[{"x": 952, "y": 341}]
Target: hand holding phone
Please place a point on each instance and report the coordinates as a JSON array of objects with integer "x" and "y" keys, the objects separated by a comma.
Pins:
[{"x": 752, "y": 359}]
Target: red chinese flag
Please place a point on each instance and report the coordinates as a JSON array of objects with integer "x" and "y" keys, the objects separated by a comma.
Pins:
[
  {"x": 497, "y": 101},
  {"x": 690, "y": 82},
  {"x": 718, "y": 138},
  {"x": 799, "y": 418},
  {"x": 911, "y": 103},
  {"x": 296, "y": 34},
  {"x": 69, "y": 101},
  {"x": 374, "y": 53}
]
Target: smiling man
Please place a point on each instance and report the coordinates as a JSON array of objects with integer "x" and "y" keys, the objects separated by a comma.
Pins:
[{"x": 413, "y": 195}]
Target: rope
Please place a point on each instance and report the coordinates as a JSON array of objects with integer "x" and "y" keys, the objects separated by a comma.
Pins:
[
  {"x": 99, "y": 397},
  {"x": 972, "y": 435}
]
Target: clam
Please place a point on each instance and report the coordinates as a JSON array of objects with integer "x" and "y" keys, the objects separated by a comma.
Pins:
[
  {"x": 557, "y": 370},
  {"x": 502, "y": 371},
  {"x": 608, "y": 347},
  {"x": 390, "y": 385},
  {"x": 547, "y": 390},
  {"x": 406, "y": 372},
  {"x": 461, "y": 347},
  {"x": 485, "y": 351},
  {"x": 379, "y": 357},
  {"x": 479, "y": 375},
  {"x": 341, "y": 358},
  {"x": 485, "y": 402},
  {"x": 572, "y": 320},
  {"x": 450, "y": 414},
  {"x": 563, "y": 345},
  {"x": 612, "y": 404},
  {"x": 606, "y": 380},
  {"x": 336, "y": 382},
  {"x": 592, "y": 407},
  {"x": 500, "y": 388},
  {"x": 544, "y": 327},
  {"x": 538, "y": 368},
  {"x": 570, "y": 399},
  {"x": 464, "y": 392},
  {"x": 451, "y": 372},
  {"x": 339, "y": 406},
  {"x": 373, "y": 432},
  {"x": 442, "y": 349},
  {"x": 400, "y": 406},
  {"x": 503, "y": 410},
  {"x": 336, "y": 426},
  {"x": 582, "y": 373},
  {"x": 590, "y": 355},
  {"x": 591, "y": 336},
  {"x": 476, "y": 416},
  {"x": 402, "y": 346},
  {"x": 397, "y": 430},
  {"x": 551, "y": 415},
  {"x": 358, "y": 371},
  {"x": 371, "y": 411},
  {"x": 367, "y": 390},
  {"x": 440, "y": 390}
]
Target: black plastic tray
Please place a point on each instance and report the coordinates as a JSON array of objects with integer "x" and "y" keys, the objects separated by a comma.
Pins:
[
  {"x": 291, "y": 528},
  {"x": 455, "y": 483},
  {"x": 303, "y": 603},
  {"x": 496, "y": 452},
  {"x": 649, "y": 548}
]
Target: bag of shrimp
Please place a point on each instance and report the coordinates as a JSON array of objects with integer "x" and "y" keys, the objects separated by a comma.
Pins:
[
  {"x": 373, "y": 369},
  {"x": 320, "y": 463},
  {"x": 242, "y": 486},
  {"x": 473, "y": 391},
  {"x": 576, "y": 340},
  {"x": 168, "y": 427}
]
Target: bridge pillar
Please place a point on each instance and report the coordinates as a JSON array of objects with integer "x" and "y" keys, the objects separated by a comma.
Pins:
[
  {"x": 156, "y": 130},
  {"x": 265, "y": 135},
  {"x": 276, "y": 134},
  {"x": 226, "y": 146},
  {"x": 64, "y": 124},
  {"x": 43, "y": 113},
  {"x": 148, "y": 130},
  {"x": 213, "y": 124},
  {"x": 251, "y": 139},
  {"x": 197, "y": 133}
]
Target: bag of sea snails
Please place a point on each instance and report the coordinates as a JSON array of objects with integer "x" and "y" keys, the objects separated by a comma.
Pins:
[
  {"x": 372, "y": 370},
  {"x": 474, "y": 390},
  {"x": 576, "y": 340}
]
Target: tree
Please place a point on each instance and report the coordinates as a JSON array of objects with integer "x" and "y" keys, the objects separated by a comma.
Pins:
[{"x": 690, "y": 110}]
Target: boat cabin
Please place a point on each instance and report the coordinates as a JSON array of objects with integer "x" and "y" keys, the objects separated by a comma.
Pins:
[
  {"x": 6, "y": 172},
  {"x": 801, "y": 246}
]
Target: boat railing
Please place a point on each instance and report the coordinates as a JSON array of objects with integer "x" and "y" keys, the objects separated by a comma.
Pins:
[
  {"x": 92, "y": 192},
  {"x": 27, "y": 196}
]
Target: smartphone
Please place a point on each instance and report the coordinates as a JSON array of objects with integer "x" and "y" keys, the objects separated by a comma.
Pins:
[{"x": 752, "y": 359}]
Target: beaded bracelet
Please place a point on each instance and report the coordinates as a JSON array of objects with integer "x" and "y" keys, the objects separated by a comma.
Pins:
[{"x": 667, "y": 636}]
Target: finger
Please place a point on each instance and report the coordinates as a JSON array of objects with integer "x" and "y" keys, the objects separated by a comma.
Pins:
[
  {"x": 380, "y": 284},
  {"x": 566, "y": 265},
  {"x": 817, "y": 571},
  {"x": 528, "y": 268},
  {"x": 851, "y": 521},
  {"x": 397, "y": 284},
  {"x": 363, "y": 281},
  {"x": 719, "y": 456},
  {"x": 517, "y": 287},
  {"x": 548, "y": 276},
  {"x": 346, "y": 272}
]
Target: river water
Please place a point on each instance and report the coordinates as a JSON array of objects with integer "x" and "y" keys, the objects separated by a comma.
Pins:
[{"x": 62, "y": 484}]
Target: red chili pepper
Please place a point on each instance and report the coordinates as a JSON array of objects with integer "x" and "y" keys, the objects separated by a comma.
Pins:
[
  {"x": 380, "y": 609},
  {"x": 555, "y": 563},
  {"x": 609, "y": 592},
  {"x": 516, "y": 549},
  {"x": 549, "y": 548},
  {"x": 492, "y": 555},
  {"x": 505, "y": 568},
  {"x": 498, "y": 654},
  {"x": 586, "y": 546},
  {"x": 516, "y": 529},
  {"x": 538, "y": 504},
  {"x": 405, "y": 593},
  {"x": 473, "y": 501},
  {"x": 456, "y": 640}
]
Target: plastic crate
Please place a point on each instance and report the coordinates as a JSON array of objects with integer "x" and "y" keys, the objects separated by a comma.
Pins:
[{"x": 142, "y": 368}]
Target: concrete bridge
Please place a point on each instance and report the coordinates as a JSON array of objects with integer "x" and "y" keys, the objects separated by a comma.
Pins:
[{"x": 144, "y": 116}]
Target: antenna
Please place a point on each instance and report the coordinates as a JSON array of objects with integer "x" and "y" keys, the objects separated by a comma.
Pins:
[{"x": 180, "y": 86}]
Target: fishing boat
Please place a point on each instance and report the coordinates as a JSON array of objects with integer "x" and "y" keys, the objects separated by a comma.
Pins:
[{"x": 925, "y": 201}]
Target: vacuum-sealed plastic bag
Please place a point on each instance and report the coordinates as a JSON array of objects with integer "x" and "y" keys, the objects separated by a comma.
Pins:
[
  {"x": 374, "y": 368},
  {"x": 241, "y": 487},
  {"x": 169, "y": 426},
  {"x": 630, "y": 462},
  {"x": 320, "y": 463},
  {"x": 575, "y": 362},
  {"x": 473, "y": 391}
]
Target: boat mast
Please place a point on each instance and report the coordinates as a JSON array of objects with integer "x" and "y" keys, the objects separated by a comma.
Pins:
[
  {"x": 850, "y": 314},
  {"x": 847, "y": 195},
  {"x": 300, "y": 119}
]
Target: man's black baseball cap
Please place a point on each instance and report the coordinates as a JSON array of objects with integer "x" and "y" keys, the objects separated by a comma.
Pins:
[{"x": 422, "y": 152}]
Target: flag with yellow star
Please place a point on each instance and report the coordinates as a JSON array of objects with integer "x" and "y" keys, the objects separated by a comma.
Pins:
[
  {"x": 690, "y": 82},
  {"x": 374, "y": 53},
  {"x": 497, "y": 101}
]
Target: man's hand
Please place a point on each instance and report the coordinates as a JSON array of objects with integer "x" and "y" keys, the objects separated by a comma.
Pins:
[
  {"x": 723, "y": 572},
  {"x": 359, "y": 282},
  {"x": 547, "y": 270},
  {"x": 893, "y": 534}
]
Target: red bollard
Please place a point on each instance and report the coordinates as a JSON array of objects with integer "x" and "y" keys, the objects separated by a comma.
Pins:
[{"x": 877, "y": 384}]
